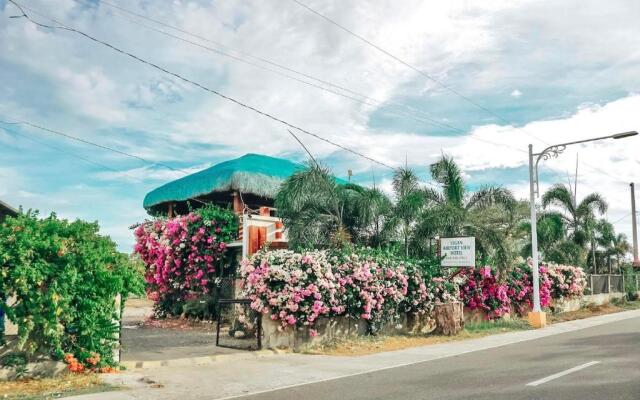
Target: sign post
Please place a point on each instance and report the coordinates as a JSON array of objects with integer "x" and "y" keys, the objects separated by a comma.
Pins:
[{"x": 458, "y": 252}]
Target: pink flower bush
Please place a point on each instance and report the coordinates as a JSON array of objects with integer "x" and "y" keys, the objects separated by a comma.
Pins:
[
  {"x": 180, "y": 254},
  {"x": 482, "y": 290},
  {"x": 520, "y": 289},
  {"x": 568, "y": 282},
  {"x": 297, "y": 289},
  {"x": 369, "y": 290}
]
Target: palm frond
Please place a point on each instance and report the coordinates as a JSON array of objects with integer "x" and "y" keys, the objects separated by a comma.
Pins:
[
  {"x": 491, "y": 196},
  {"x": 592, "y": 203},
  {"x": 447, "y": 173},
  {"x": 560, "y": 196}
]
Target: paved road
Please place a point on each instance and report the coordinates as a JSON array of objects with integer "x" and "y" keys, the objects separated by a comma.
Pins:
[{"x": 504, "y": 372}]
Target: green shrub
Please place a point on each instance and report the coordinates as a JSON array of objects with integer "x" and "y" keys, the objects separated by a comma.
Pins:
[
  {"x": 64, "y": 278},
  {"x": 630, "y": 284}
]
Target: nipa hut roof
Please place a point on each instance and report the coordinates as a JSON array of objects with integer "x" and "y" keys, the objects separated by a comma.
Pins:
[{"x": 252, "y": 173}]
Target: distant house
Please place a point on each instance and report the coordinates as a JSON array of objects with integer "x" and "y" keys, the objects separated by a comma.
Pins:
[
  {"x": 6, "y": 210},
  {"x": 247, "y": 184}
]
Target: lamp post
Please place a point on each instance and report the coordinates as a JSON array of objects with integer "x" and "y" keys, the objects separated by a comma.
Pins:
[{"x": 537, "y": 318}]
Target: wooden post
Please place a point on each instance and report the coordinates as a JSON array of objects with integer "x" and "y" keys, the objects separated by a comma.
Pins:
[
  {"x": 238, "y": 207},
  {"x": 170, "y": 211}
]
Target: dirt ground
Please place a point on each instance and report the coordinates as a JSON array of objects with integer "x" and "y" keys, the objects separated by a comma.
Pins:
[
  {"x": 592, "y": 311},
  {"x": 375, "y": 344}
]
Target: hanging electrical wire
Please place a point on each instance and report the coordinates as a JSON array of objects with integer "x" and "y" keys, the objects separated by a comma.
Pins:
[{"x": 61, "y": 26}]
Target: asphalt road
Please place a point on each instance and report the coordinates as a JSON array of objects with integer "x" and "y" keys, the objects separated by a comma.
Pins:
[{"x": 602, "y": 362}]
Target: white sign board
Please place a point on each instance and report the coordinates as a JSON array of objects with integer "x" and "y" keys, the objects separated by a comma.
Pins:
[{"x": 458, "y": 252}]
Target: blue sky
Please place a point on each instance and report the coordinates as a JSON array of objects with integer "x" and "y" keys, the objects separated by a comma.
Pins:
[{"x": 551, "y": 72}]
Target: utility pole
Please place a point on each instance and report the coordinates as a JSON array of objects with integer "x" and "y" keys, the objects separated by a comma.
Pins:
[
  {"x": 634, "y": 227},
  {"x": 537, "y": 318}
]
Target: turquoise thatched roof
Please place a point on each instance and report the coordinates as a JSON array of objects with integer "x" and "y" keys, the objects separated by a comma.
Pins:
[{"x": 252, "y": 173}]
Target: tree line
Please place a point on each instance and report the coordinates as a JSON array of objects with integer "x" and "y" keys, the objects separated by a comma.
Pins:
[{"x": 323, "y": 212}]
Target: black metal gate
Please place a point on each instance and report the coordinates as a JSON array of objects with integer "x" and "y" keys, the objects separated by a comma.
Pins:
[{"x": 238, "y": 326}]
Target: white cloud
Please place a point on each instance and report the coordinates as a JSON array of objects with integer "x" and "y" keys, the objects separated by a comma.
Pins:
[
  {"x": 67, "y": 82},
  {"x": 148, "y": 173}
]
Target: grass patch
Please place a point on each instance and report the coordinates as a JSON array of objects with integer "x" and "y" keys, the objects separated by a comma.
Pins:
[
  {"x": 53, "y": 388},
  {"x": 362, "y": 345},
  {"x": 499, "y": 326}
]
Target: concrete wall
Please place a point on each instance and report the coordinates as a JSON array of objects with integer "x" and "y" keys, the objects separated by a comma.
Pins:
[
  {"x": 328, "y": 329},
  {"x": 560, "y": 306}
]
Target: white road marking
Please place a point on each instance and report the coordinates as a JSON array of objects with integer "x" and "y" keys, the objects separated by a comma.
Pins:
[{"x": 563, "y": 373}]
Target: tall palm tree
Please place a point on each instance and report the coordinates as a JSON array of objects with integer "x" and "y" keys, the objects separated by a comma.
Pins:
[
  {"x": 604, "y": 235},
  {"x": 409, "y": 202},
  {"x": 621, "y": 247},
  {"x": 580, "y": 218},
  {"x": 488, "y": 214}
]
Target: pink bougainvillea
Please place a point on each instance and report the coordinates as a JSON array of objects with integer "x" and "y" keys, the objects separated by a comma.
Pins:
[
  {"x": 567, "y": 281},
  {"x": 520, "y": 289},
  {"x": 482, "y": 290},
  {"x": 297, "y": 289},
  {"x": 181, "y": 253},
  {"x": 370, "y": 290}
]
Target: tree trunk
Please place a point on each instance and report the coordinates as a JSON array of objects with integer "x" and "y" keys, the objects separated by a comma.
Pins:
[
  {"x": 449, "y": 318},
  {"x": 406, "y": 242}
]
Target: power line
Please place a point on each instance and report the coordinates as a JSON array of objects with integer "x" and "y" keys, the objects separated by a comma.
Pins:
[
  {"x": 362, "y": 98},
  {"x": 268, "y": 115},
  {"x": 187, "y": 80},
  {"x": 303, "y": 146},
  {"x": 71, "y": 137},
  {"x": 68, "y": 136},
  {"x": 624, "y": 217},
  {"x": 429, "y": 77},
  {"x": 401, "y": 61},
  {"x": 60, "y": 150}
]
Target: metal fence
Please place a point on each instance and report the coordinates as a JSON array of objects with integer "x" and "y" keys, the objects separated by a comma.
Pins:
[
  {"x": 239, "y": 327},
  {"x": 613, "y": 283}
]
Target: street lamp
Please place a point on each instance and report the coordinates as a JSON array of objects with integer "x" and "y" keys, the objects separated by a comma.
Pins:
[{"x": 537, "y": 318}]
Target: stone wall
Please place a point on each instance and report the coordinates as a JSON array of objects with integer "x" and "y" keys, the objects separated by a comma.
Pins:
[{"x": 328, "y": 329}]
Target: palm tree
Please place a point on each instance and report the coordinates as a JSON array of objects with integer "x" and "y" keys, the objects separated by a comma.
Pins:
[
  {"x": 551, "y": 232},
  {"x": 320, "y": 212},
  {"x": 604, "y": 235},
  {"x": 488, "y": 214},
  {"x": 409, "y": 202},
  {"x": 312, "y": 206},
  {"x": 371, "y": 211},
  {"x": 621, "y": 247},
  {"x": 580, "y": 218}
]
